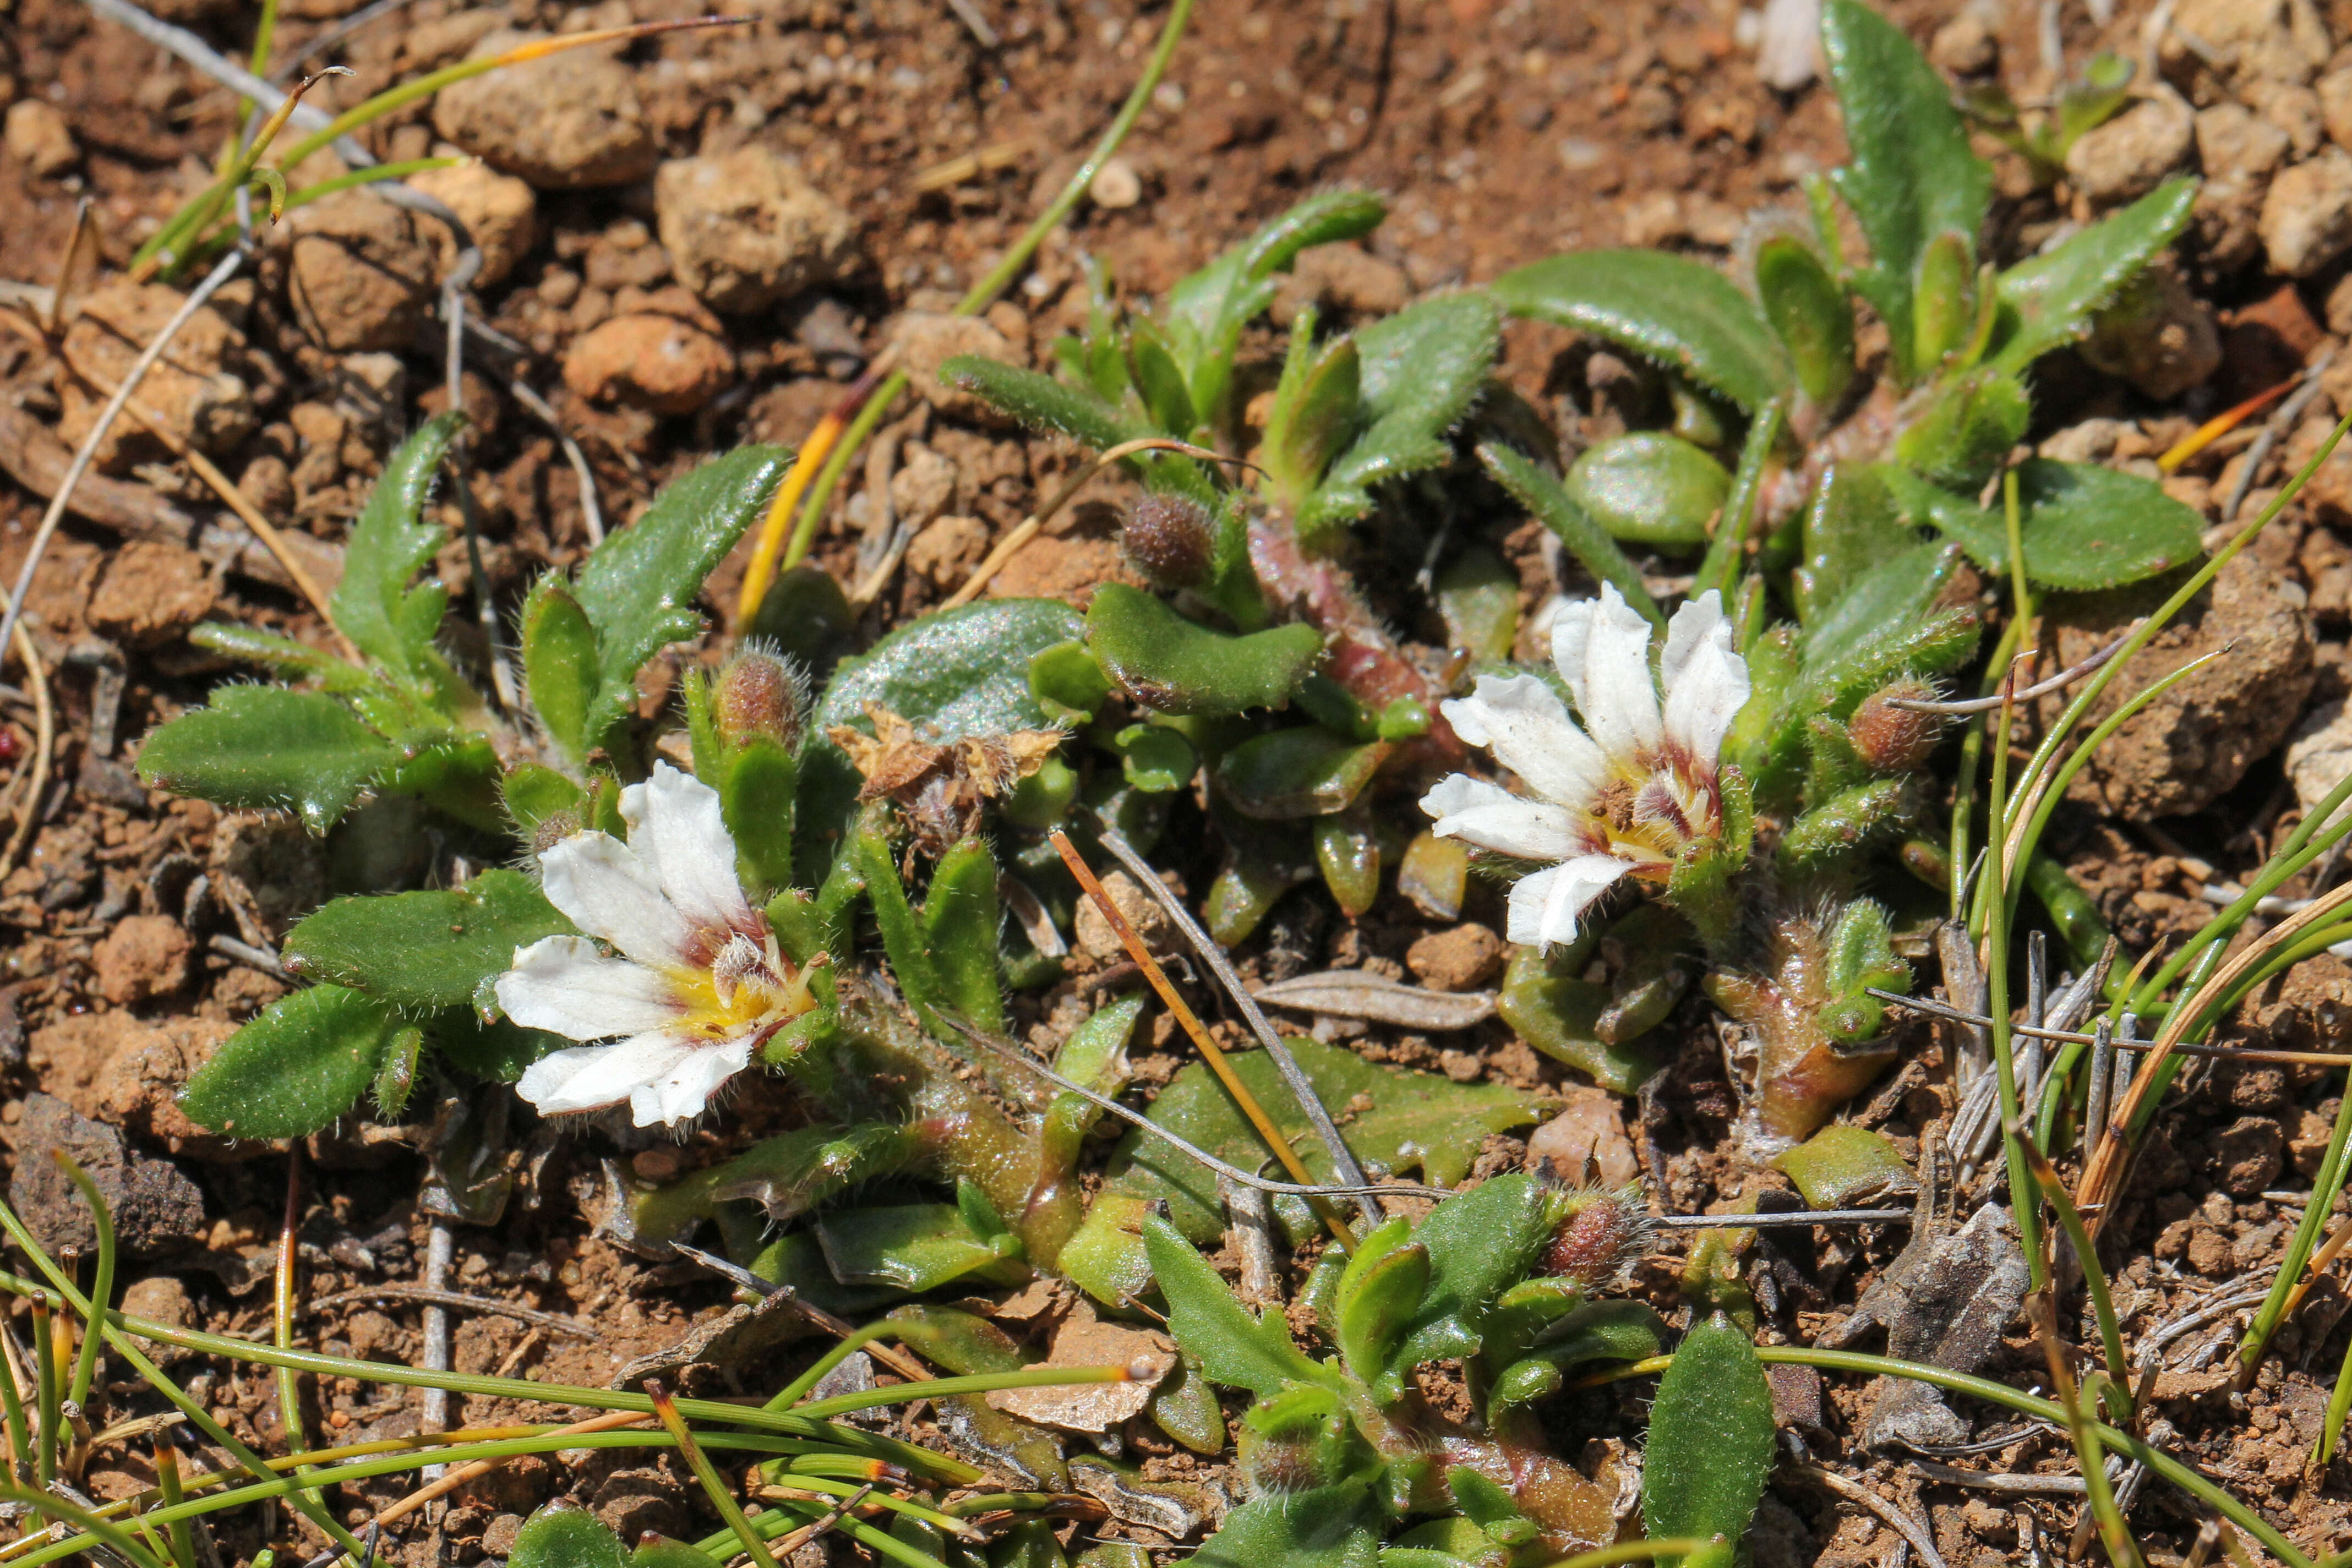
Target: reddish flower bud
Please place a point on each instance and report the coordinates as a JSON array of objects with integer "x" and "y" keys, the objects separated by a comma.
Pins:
[
  {"x": 552, "y": 830},
  {"x": 760, "y": 692},
  {"x": 1599, "y": 1238},
  {"x": 1171, "y": 538},
  {"x": 1890, "y": 740}
]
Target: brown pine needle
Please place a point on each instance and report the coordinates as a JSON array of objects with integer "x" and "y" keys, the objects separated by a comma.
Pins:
[
  {"x": 2221, "y": 425},
  {"x": 1209, "y": 1051},
  {"x": 776, "y": 526}
]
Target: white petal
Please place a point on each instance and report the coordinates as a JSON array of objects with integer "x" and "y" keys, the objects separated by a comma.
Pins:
[
  {"x": 563, "y": 984},
  {"x": 1522, "y": 721},
  {"x": 1544, "y": 908},
  {"x": 1493, "y": 819},
  {"x": 677, "y": 826},
  {"x": 610, "y": 893},
  {"x": 591, "y": 1077},
  {"x": 683, "y": 1091},
  {"x": 1603, "y": 654},
  {"x": 1700, "y": 620},
  {"x": 1710, "y": 690}
]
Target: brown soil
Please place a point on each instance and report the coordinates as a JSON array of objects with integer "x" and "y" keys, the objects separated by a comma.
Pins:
[{"x": 1501, "y": 133}]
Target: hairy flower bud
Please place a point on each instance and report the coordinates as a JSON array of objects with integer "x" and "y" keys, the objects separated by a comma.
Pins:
[
  {"x": 760, "y": 692},
  {"x": 1171, "y": 538},
  {"x": 552, "y": 830},
  {"x": 1890, "y": 740},
  {"x": 1600, "y": 1235}
]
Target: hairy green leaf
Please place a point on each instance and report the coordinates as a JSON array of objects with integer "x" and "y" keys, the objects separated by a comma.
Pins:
[
  {"x": 1480, "y": 1243},
  {"x": 390, "y": 543},
  {"x": 1711, "y": 1445},
  {"x": 1324, "y": 1527},
  {"x": 427, "y": 949},
  {"x": 295, "y": 1068},
  {"x": 1316, "y": 410},
  {"x": 1179, "y": 667},
  {"x": 1844, "y": 1166},
  {"x": 2083, "y": 527},
  {"x": 1042, "y": 403},
  {"x": 960, "y": 922},
  {"x": 1305, "y": 771},
  {"x": 1420, "y": 370},
  {"x": 1681, "y": 313},
  {"x": 265, "y": 748},
  {"x": 2048, "y": 301},
  {"x": 1848, "y": 528},
  {"x": 1558, "y": 1011},
  {"x": 914, "y": 1247},
  {"x": 1895, "y": 592},
  {"x": 1810, "y": 313},
  {"x": 1911, "y": 177},
  {"x": 560, "y": 665},
  {"x": 1236, "y": 1348},
  {"x": 639, "y": 586}
]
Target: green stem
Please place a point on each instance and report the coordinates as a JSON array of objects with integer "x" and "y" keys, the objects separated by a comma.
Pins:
[
  {"x": 86, "y": 1364},
  {"x": 713, "y": 1486},
  {"x": 1997, "y": 933},
  {"x": 49, "y": 1505},
  {"x": 1726, "y": 553},
  {"x": 167, "y": 1482},
  {"x": 2102, "y": 1302},
  {"x": 1964, "y": 790},
  {"x": 12, "y": 1402},
  {"x": 998, "y": 277}
]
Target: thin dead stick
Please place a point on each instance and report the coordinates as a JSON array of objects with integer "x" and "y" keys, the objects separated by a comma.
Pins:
[
  {"x": 1209, "y": 1051},
  {"x": 440, "y": 1245},
  {"x": 1007, "y": 547},
  {"x": 87, "y": 452},
  {"x": 74, "y": 241},
  {"x": 2320, "y": 1260},
  {"x": 1343, "y": 1159},
  {"x": 791, "y": 1541},
  {"x": 591, "y": 515},
  {"x": 2273, "y": 428},
  {"x": 2001, "y": 1482},
  {"x": 2102, "y": 1171},
  {"x": 45, "y": 744},
  {"x": 1904, "y": 1524},
  {"x": 459, "y": 1301},
  {"x": 2074, "y": 1037},
  {"x": 2063, "y": 679}
]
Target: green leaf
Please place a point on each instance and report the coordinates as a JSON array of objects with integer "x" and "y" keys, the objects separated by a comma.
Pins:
[
  {"x": 1316, "y": 410},
  {"x": 562, "y": 1535},
  {"x": 1895, "y": 592},
  {"x": 960, "y": 922},
  {"x": 1710, "y": 1448},
  {"x": 1235, "y": 1348},
  {"x": 390, "y": 543},
  {"x": 1378, "y": 1290},
  {"x": 265, "y": 748},
  {"x": 1159, "y": 381},
  {"x": 1179, "y": 667},
  {"x": 1681, "y": 313},
  {"x": 2083, "y": 527},
  {"x": 757, "y": 783},
  {"x": 1651, "y": 488},
  {"x": 915, "y": 1246},
  {"x": 1155, "y": 759},
  {"x": 497, "y": 1051},
  {"x": 435, "y": 949},
  {"x": 1911, "y": 177},
  {"x": 2048, "y": 301},
  {"x": 1402, "y": 1120},
  {"x": 1478, "y": 595},
  {"x": 1850, "y": 528},
  {"x": 1041, "y": 403},
  {"x": 560, "y": 665},
  {"x": 1420, "y": 370},
  {"x": 1306, "y": 772},
  {"x": 1558, "y": 1011},
  {"x": 639, "y": 586},
  {"x": 1967, "y": 428},
  {"x": 659, "y": 1552},
  {"x": 1065, "y": 676},
  {"x": 1845, "y": 1168},
  {"x": 235, "y": 641},
  {"x": 1810, "y": 313},
  {"x": 1944, "y": 310},
  {"x": 295, "y": 1068},
  {"x": 1480, "y": 1243},
  {"x": 1325, "y": 1527},
  {"x": 954, "y": 674},
  {"x": 532, "y": 794},
  {"x": 1549, "y": 503}
]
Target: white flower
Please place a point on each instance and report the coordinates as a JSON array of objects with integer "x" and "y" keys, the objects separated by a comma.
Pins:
[
  {"x": 1625, "y": 794},
  {"x": 697, "y": 985}
]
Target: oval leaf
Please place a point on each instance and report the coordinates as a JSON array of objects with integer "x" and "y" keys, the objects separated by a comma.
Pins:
[
  {"x": 1177, "y": 666},
  {"x": 295, "y": 1068},
  {"x": 1710, "y": 1448},
  {"x": 268, "y": 749},
  {"x": 2083, "y": 527},
  {"x": 433, "y": 949},
  {"x": 1651, "y": 488},
  {"x": 559, "y": 1536}
]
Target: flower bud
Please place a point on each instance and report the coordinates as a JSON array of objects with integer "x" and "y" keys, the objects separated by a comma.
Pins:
[
  {"x": 1597, "y": 1238},
  {"x": 760, "y": 692},
  {"x": 1890, "y": 740},
  {"x": 1171, "y": 538}
]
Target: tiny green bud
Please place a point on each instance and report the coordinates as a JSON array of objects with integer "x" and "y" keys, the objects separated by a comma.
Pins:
[
  {"x": 1171, "y": 538},
  {"x": 1890, "y": 740},
  {"x": 760, "y": 692}
]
